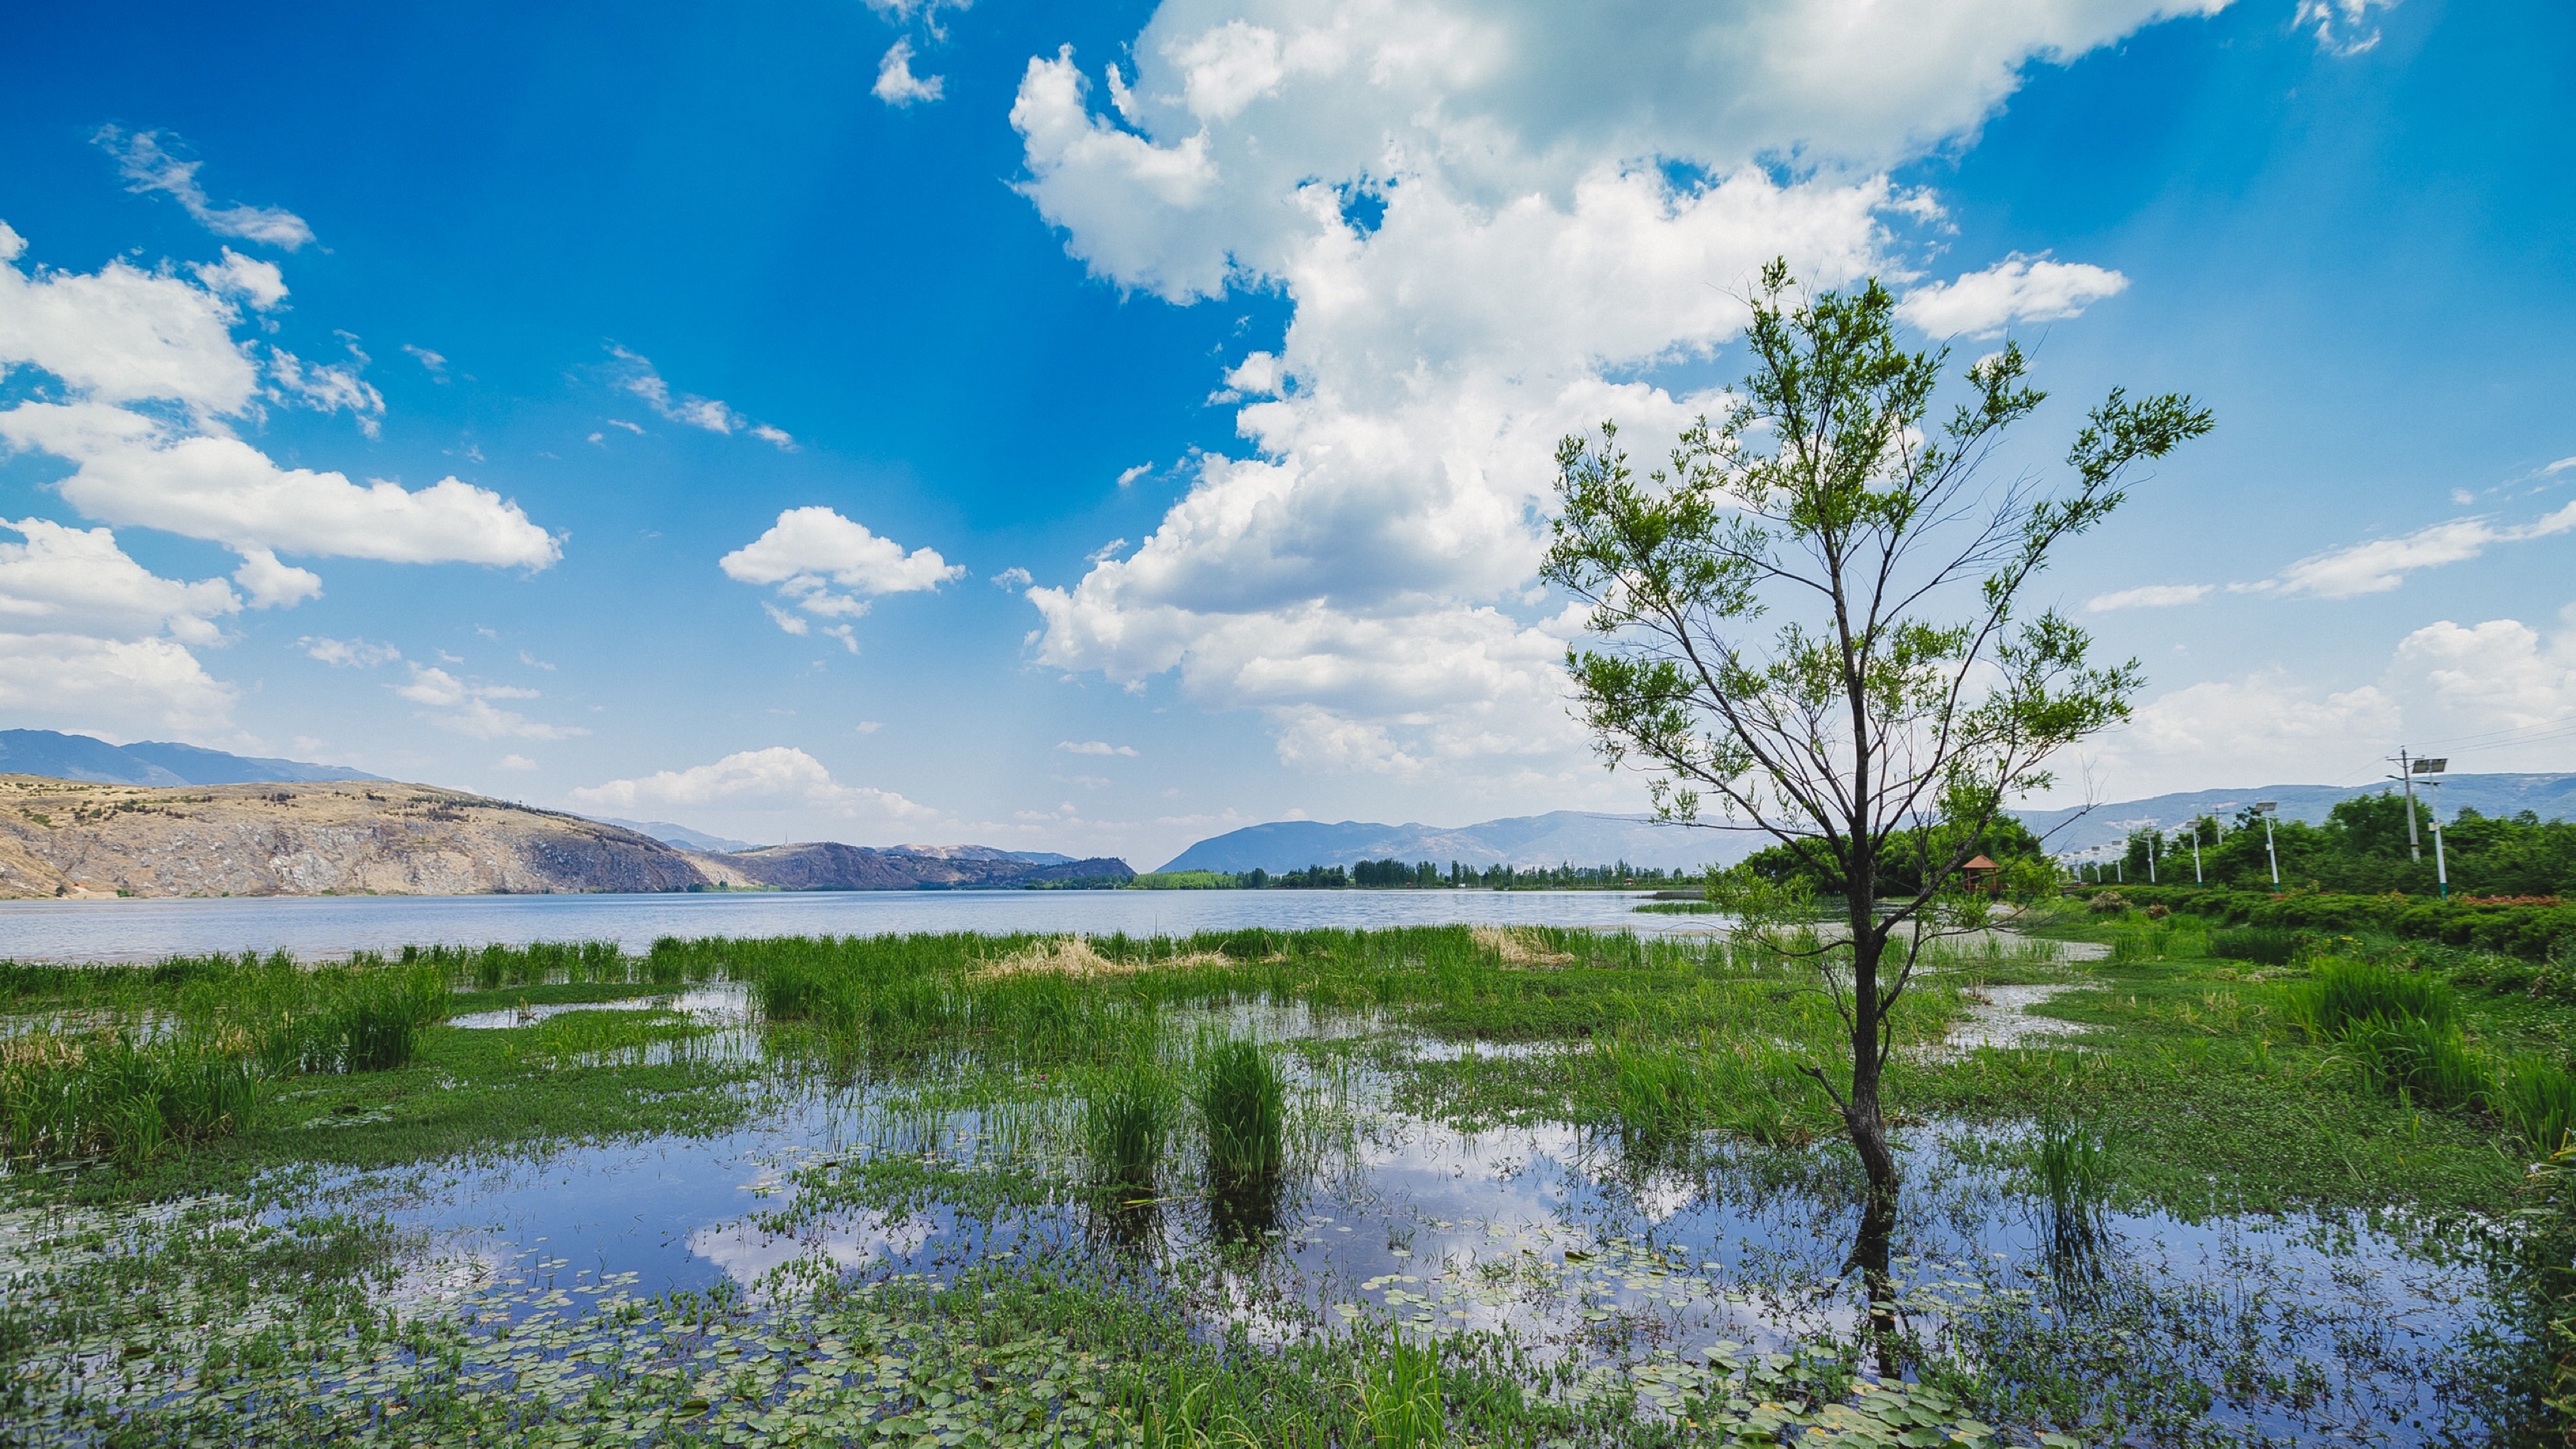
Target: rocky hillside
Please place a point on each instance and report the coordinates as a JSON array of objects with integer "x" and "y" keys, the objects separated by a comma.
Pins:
[
  {"x": 81, "y": 838},
  {"x": 830, "y": 866},
  {"x": 67, "y": 838}
]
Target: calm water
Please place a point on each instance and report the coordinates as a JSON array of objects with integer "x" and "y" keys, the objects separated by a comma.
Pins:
[
  {"x": 2311, "y": 1330},
  {"x": 321, "y": 927}
]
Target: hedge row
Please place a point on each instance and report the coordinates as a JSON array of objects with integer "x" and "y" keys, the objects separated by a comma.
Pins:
[{"x": 2530, "y": 932}]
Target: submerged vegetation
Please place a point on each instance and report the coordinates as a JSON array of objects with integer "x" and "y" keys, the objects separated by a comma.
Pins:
[{"x": 1174, "y": 1191}]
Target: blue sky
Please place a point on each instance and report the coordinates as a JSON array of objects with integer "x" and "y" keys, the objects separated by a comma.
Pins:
[{"x": 1044, "y": 460}]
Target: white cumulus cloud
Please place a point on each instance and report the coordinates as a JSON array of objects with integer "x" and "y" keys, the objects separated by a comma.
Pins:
[
  {"x": 821, "y": 563},
  {"x": 1485, "y": 248},
  {"x": 778, "y": 777},
  {"x": 2016, "y": 289},
  {"x": 90, "y": 639},
  {"x": 2451, "y": 688},
  {"x": 121, "y": 336},
  {"x": 896, "y": 84}
]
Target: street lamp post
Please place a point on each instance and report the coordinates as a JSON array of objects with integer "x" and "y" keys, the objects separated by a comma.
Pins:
[{"x": 2265, "y": 808}]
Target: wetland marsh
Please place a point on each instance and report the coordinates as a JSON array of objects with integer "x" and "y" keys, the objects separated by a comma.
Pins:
[{"x": 1435, "y": 1185}]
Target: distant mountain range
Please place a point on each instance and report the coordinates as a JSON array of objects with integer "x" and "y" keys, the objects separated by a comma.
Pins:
[
  {"x": 152, "y": 833},
  {"x": 2075, "y": 830},
  {"x": 1560, "y": 837},
  {"x": 79, "y": 757},
  {"x": 1573, "y": 837},
  {"x": 679, "y": 835}
]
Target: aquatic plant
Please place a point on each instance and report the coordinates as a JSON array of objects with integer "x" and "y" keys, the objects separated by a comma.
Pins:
[
  {"x": 1657, "y": 1092},
  {"x": 1399, "y": 1393},
  {"x": 1241, "y": 1101},
  {"x": 119, "y": 1096},
  {"x": 2073, "y": 1163},
  {"x": 1127, "y": 1118}
]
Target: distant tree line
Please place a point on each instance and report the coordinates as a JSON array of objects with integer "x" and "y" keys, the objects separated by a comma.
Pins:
[
  {"x": 2022, "y": 858},
  {"x": 2361, "y": 849},
  {"x": 1423, "y": 875}
]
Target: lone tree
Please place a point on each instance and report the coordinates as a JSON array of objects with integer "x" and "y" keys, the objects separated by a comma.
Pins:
[{"x": 1812, "y": 622}]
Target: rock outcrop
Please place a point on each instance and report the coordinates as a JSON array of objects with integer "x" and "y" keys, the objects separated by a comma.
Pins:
[
  {"x": 826, "y": 865},
  {"x": 64, "y": 838},
  {"x": 76, "y": 838}
]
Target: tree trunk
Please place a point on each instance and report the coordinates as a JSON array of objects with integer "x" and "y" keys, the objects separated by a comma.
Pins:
[{"x": 1861, "y": 1115}]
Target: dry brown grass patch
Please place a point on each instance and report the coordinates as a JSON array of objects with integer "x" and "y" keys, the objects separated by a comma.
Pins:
[
  {"x": 1074, "y": 956},
  {"x": 1517, "y": 946}
]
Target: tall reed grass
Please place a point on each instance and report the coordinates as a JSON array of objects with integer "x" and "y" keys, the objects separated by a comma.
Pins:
[
  {"x": 1241, "y": 1099},
  {"x": 2074, "y": 1166},
  {"x": 1128, "y": 1114},
  {"x": 2340, "y": 994},
  {"x": 119, "y": 1096},
  {"x": 2538, "y": 1096}
]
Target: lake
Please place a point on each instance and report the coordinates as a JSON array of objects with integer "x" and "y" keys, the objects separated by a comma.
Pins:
[{"x": 328, "y": 927}]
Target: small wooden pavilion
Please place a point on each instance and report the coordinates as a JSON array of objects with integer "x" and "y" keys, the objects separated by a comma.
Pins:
[{"x": 1984, "y": 877}]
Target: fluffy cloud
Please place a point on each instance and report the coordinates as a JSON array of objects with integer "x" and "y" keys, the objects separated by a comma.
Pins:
[
  {"x": 93, "y": 640},
  {"x": 77, "y": 581},
  {"x": 149, "y": 166},
  {"x": 121, "y": 336},
  {"x": 896, "y": 84},
  {"x": 778, "y": 777},
  {"x": 638, "y": 377},
  {"x": 2476, "y": 680},
  {"x": 1478, "y": 239},
  {"x": 820, "y": 563},
  {"x": 2016, "y": 289},
  {"x": 2453, "y": 688},
  {"x": 133, "y": 469},
  {"x": 116, "y": 686},
  {"x": 467, "y": 708}
]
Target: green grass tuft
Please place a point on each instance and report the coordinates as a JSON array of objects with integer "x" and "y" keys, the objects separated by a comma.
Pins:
[{"x": 1241, "y": 1099}]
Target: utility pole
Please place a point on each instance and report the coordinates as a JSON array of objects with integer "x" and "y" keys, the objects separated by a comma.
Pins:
[
  {"x": 2155, "y": 847},
  {"x": 2406, "y": 774},
  {"x": 2195, "y": 854},
  {"x": 2265, "y": 808}
]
